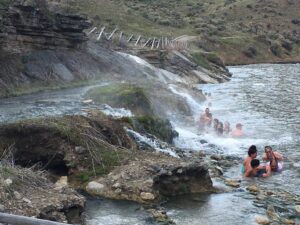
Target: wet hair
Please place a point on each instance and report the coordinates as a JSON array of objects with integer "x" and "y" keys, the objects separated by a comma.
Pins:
[
  {"x": 269, "y": 147},
  {"x": 254, "y": 163},
  {"x": 252, "y": 149}
]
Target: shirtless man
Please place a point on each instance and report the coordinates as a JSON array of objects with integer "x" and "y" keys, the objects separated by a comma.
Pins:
[
  {"x": 207, "y": 117},
  {"x": 273, "y": 157},
  {"x": 269, "y": 154},
  {"x": 257, "y": 170},
  {"x": 252, "y": 153},
  {"x": 238, "y": 132}
]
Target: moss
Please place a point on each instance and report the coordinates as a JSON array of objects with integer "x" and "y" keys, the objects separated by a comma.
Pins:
[
  {"x": 123, "y": 96},
  {"x": 201, "y": 60},
  {"x": 38, "y": 87},
  {"x": 160, "y": 128}
]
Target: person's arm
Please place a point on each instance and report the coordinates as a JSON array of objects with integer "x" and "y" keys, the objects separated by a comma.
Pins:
[
  {"x": 268, "y": 172},
  {"x": 278, "y": 156},
  {"x": 248, "y": 173},
  {"x": 264, "y": 157}
]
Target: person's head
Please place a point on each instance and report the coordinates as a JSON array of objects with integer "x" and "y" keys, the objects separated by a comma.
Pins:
[
  {"x": 252, "y": 151},
  {"x": 220, "y": 125},
  {"x": 207, "y": 110},
  {"x": 254, "y": 164},
  {"x": 226, "y": 124},
  {"x": 268, "y": 150},
  {"x": 239, "y": 126}
]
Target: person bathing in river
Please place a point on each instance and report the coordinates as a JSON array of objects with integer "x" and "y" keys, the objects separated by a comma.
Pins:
[
  {"x": 227, "y": 128},
  {"x": 238, "y": 131},
  {"x": 252, "y": 153},
  {"x": 273, "y": 158},
  {"x": 257, "y": 170},
  {"x": 220, "y": 129},
  {"x": 207, "y": 117}
]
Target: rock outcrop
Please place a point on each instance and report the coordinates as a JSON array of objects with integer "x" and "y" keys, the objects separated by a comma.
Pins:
[
  {"x": 24, "y": 27},
  {"x": 182, "y": 63},
  {"x": 149, "y": 178}
]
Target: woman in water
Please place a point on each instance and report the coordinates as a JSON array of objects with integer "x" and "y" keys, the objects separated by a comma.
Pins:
[{"x": 252, "y": 153}]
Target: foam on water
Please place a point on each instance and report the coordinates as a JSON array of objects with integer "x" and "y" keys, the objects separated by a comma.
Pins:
[
  {"x": 152, "y": 142},
  {"x": 115, "y": 112}
]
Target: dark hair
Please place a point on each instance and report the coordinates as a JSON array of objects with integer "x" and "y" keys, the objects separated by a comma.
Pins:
[
  {"x": 254, "y": 163},
  {"x": 252, "y": 150},
  {"x": 268, "y": 147}
]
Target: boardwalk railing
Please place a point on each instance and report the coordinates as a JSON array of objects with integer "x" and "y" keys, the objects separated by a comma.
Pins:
[
  {"x": 24, "y": 220},
  {"x": 137, "y": 40}
]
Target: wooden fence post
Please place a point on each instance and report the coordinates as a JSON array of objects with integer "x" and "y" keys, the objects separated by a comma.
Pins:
[
  {"x": 95, "y": 28},
  {"x": 101, "y": 32},
  {"x": 112, "y": 33},
  {"x": 138, "y": 40}
]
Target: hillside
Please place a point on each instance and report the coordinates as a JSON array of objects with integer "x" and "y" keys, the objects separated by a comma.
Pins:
[{"x": 240, "y": 31}]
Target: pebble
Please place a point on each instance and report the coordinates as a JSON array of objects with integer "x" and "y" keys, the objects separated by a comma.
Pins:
[
  {"x": 80, "y": 150},
  {"x": 297, "y": 208},
  {"x": 147, "y": 196},
  {"x": 26, "y": 200},
  {"x": 232, "y": 183},
  {"x": 17, "y": 195},
  {"x": 252, "y": 188},
  {"x": 8, "y": 182},
  {"x": 264, "y": 220}
]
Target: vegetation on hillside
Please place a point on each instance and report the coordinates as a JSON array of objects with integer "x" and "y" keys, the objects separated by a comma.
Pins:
[{"x": 241, "y": 31}]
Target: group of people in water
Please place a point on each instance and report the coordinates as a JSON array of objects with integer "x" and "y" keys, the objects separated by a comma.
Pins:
[
  {"x": 206, "y": 123},
  {"x": 253, "y": 168}
]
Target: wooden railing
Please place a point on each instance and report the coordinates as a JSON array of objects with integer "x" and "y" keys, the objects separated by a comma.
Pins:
[{"x": 137, "y": 40}]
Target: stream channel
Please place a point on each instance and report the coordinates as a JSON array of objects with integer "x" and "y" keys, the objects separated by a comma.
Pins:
[{"x": 264, "y": 98}]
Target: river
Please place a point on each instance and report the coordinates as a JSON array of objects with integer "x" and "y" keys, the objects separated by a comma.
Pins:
[{"x": 264, "y": 98}]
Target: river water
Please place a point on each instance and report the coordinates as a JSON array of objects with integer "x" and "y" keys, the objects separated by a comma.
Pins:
[{"x": 264, "y": 98}]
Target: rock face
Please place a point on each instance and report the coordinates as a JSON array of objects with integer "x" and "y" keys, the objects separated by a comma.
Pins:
[
  {"x": 182, "y": 64},
  {"x": 150, "y": 178},
  {"x": 24, "y": 27}
]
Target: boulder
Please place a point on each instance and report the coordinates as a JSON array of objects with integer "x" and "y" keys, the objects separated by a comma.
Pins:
[{"x": 95, "y": 188}]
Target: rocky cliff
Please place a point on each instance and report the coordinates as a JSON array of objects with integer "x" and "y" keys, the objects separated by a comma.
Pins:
[
  {"x": 40, "y": 49},
  {"x": 24, "y": 27}
]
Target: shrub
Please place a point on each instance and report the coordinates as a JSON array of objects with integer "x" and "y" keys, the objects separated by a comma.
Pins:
[
  {"x": 276, "y": 49},
  {"x": 250, "y": 52}
]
